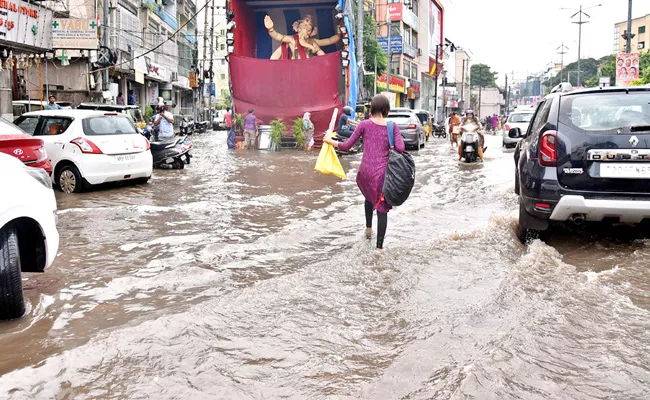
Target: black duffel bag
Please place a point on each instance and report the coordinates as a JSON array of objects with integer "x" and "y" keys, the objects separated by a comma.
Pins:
[{"x": 400, "y": 173}]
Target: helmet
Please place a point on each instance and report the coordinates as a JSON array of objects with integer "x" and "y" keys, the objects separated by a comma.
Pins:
[
  {"x": 348, "y": 110},
  {"x": 469, "y": 112}
]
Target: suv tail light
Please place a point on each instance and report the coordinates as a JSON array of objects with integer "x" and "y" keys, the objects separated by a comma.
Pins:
[
  {"x": 412, "y": 126},
  {"x": 547, "y": 149},
  {"x": 86, "y": 146},
  {"x": 507, "y": 127}
]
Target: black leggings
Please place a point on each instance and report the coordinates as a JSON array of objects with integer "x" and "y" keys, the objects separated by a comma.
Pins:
[{"x": 383, "y": 222}]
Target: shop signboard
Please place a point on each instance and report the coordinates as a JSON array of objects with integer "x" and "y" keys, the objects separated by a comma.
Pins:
[
  {"x": 140, "y": 67},
  {"x": 436, "y": 16},
  {"x": 395, "y": 11},
  {"x": 193, "y": 82},
  {"x": 396, "y": 44},
  {"x": 156, "y": 71},
  {"x": 397, "y": 84},
  {"x": 627, "y": 68},
  {"x": 70, "y": 33},
  {"x": 415, "y": 85},
  {"x": 25, "y": 25}
]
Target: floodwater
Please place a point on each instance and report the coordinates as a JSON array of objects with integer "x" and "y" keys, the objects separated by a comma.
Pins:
[{"x": 247, "y": 276}]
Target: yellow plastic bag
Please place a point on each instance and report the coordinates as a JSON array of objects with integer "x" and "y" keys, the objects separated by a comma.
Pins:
[{"x": 328, "y": 162}]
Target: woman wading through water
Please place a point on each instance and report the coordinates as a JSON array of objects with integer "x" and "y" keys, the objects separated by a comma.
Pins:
[{"x": 370, "y": 177}]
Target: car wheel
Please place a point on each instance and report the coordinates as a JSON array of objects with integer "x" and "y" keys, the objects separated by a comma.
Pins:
[
  {"x": 524, "y": 232},
  {"x": 178, "y": 164},
  {"x": 12, "y": 304},
  {"x": 70, "y": 180},
  {"x": 141, "y": 181}
]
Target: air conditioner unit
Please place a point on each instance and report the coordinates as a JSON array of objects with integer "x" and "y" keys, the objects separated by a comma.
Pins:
[
  {"x": 419, "y": 52},
  {"x": 174, "y": 76}
]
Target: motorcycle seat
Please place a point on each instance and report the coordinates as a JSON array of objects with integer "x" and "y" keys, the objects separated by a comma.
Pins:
[{"x": 160, "y": 144}]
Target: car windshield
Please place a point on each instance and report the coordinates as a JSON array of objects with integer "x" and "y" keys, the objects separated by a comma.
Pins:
[
  {"x": 401, "y": 118},
  {"x": 108, "y": 125},
  {"x": 522, "y": 118},
  {"x": 7, "y": 128},
  {"x": 607, "y": 112}
]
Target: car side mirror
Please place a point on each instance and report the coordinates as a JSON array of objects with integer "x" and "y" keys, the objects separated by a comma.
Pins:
[{"x": 514, "y": 133}]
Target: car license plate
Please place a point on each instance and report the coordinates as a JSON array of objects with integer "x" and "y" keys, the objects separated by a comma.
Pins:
[
  {"x": 627, "y": 170},
  {"x": 125, "y": 158}
]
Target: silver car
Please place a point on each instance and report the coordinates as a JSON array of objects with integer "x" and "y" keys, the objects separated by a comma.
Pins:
[
  {"x": 409, "y": 126},
  {"x": 519, "y": 120}
]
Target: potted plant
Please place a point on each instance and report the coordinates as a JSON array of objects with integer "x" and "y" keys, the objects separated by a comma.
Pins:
[
  {"x": 299, "y": 133},
  {"x": 238, "y": 122},
  {"x": 278, "y": 129}
]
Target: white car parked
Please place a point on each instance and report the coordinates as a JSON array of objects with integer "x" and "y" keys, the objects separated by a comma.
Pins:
[
  {"x": 29, "y": 240},
  {"x": 88, "y": 147}
]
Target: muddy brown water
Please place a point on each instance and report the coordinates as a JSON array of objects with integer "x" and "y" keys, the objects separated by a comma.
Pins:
[{"x": 246, "y": 276}]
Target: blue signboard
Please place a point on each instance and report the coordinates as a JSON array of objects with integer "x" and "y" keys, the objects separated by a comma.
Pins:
[{"x": 395, "y": 44}]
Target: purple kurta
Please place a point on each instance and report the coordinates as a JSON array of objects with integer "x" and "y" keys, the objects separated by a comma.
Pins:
[{"x": 370, "y": 177}]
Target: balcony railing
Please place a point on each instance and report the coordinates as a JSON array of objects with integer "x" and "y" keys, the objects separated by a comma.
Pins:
[{"x": 164, "y": 15}]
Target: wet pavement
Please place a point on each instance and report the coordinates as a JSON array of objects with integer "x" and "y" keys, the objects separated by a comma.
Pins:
[{"x": 247, "y": 275}]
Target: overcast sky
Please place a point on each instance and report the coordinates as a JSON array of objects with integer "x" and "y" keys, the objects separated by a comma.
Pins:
[{"x": 522, "y": 35}]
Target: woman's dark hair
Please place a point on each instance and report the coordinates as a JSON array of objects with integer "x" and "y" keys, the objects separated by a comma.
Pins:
[{"x": 379, "y": 106}]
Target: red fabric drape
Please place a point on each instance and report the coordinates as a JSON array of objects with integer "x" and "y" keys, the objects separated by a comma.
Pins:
[
  {"x": 244, "y": 38},
  {"x": 287, "y": 88}
]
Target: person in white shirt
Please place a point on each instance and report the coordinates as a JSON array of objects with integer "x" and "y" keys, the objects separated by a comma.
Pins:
[{"x": 166, "y": 121}]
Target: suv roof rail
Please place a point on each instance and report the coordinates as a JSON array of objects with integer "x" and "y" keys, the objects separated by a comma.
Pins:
[{"x": 562, "y": 87}]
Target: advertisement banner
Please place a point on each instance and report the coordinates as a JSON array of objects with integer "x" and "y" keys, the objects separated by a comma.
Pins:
[
  {"x": 435, "y": 28},
  {"x": 22, "y": 23},
  {"x": 395, "y": 11},
  {"x": 627, "y": 68},
  {"x": 392, "y": 98},
  {"x": 434, "y": 68},
  {"x": 410, "y": 19},
  {"x": 397, "y": 84},
  {"x": 74, "y": 34},
  {"x": 395, "y": 44}
]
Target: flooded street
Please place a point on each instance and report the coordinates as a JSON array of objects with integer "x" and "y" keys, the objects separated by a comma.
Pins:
[{"x": 247, "y": 275}]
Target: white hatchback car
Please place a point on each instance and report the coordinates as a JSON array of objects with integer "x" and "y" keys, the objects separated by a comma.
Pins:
[
  {"x": 518, "y": 119},
  {"x": 29, "y": 240},
  {"x": 88, "y": 147}
]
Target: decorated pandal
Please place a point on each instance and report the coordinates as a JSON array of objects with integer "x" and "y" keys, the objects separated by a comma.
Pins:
[{"x": 303, "y": 43}]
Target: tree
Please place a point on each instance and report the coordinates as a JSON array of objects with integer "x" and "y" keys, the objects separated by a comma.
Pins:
[
  {"x": 482, "y": 75},
  {"x": 372, "y": 49}
]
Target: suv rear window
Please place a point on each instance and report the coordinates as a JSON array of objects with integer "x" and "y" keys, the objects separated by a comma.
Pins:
[
  {"x": 605, "y": 113},
  {"x": 521, "y": 118},
  {"x": 401, "y": 118},
  {"x": 424, "y": 117},
  {"x": 108, "y": 125}
]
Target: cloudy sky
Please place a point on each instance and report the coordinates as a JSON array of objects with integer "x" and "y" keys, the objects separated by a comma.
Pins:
[{"x": 523, "y": 35}]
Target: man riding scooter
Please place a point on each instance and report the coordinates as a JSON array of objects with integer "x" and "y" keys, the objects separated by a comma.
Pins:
[
  {"x": 470, "y": 119},
  {"x": 346, "y": 125}
]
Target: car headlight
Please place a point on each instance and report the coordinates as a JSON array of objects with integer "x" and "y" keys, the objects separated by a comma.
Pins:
[{"x": 40, "y": 175}]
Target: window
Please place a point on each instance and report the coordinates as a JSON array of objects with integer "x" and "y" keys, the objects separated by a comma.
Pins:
[
  {"x": 541, "y": 117},
  {"x": 99, "y": 126},
  {"x": 407, "y": 35},
  {"x": 222, "y": 47},
  {"x": 223, "y": 32},
  {"x": 394, "y": 1},
  {"x": 394, "y": 66},
  {"x": 415, "y": 6},
  {"x": 394, "y": 29},
  {"x": 414, "y": 39},
  {"x": 641, "y": 30},
  {"x": 407, "y": 68},
  {"x": 223, "y": 76},
  {"x": 414, "y": 71},
  {"x": 55, "y": 126},
  {"x": 606, "y": 114},
  {"x": 28, "y": 124}
]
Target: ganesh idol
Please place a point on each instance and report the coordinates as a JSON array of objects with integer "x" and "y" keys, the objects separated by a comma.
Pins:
[{"x": 301, "y": 45}]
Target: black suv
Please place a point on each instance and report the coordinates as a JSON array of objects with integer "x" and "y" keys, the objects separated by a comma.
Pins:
[{"x": 585, "y": 157}]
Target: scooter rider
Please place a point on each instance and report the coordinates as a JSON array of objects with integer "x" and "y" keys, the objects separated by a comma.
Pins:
[
  {"x": 470, "y": 118},
  {"x": 346, "y": 125}
]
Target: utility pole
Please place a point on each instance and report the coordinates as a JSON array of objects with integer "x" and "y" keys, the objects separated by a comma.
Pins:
[
  {"x": 462, "y": 84},
  {"x": 580, "y": 22},
  {"x": 390, "y": 52},
  {"x": 507, "y": 93},
  {"x": 435, "y": 88},
  {"x": 360, "y": 20},
  {"x": 205, "y": 55},
  {"x": 105, "y": 41},
  {"x": 480, "y": 89},
  {"x": 211, "y": 65},
  {"x": 562, "y": 52},
  {"x": 628, "y": 35},
  {"x": 444, "y": 86}
]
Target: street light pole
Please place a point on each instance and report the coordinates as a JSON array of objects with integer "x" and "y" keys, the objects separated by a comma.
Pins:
[
  {"x": 629, "y": 35},
  {"x": 435, "y": 87},
  {"x": 562, "y": 52},
  {"x": 580, "y": 13},
  {"x": 480, "y": 89}
]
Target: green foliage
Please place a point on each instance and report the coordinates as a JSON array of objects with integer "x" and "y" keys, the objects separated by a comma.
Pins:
[
  {"x": 238, "y": 122},
  {"x": 299, "y": 132},
  {"x": 148, "y": 113},
  {"x": 372, "y": 49},
  {"x": 482, "y": 75},
  {"x": 278, "y": 129},
  {"x": 227, "y": 99}
]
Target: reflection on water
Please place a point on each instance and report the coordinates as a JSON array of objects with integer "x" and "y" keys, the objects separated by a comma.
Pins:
[{"x": 247, "y": 275}]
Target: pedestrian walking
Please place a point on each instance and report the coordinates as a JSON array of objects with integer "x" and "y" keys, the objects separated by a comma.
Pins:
[
  {"x": 454, "y": 128},
  {"x": 308, "y": 131},
  {"x": 120, "y": 99},
  {"x": 494, "y": 121},
  {"x": 370, "y": 177},
  {"x": 51, "y": 105},
  {"x": 227, "y": 121},
  {"x": 131, "y": 98},
  {"x": 250, "y": 130}
]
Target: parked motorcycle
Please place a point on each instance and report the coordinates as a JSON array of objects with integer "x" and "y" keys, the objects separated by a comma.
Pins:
[
  {"x": 470, "y": 141},
  {"x": 187, "y": 126},
  {"x": 172, "y": 153},
  {"x": 201, "y": 127},
  {"x": 439, "y": 130}
]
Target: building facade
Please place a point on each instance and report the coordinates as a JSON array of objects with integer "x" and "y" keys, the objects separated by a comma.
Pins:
[{"x": 640, "y": 42}]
